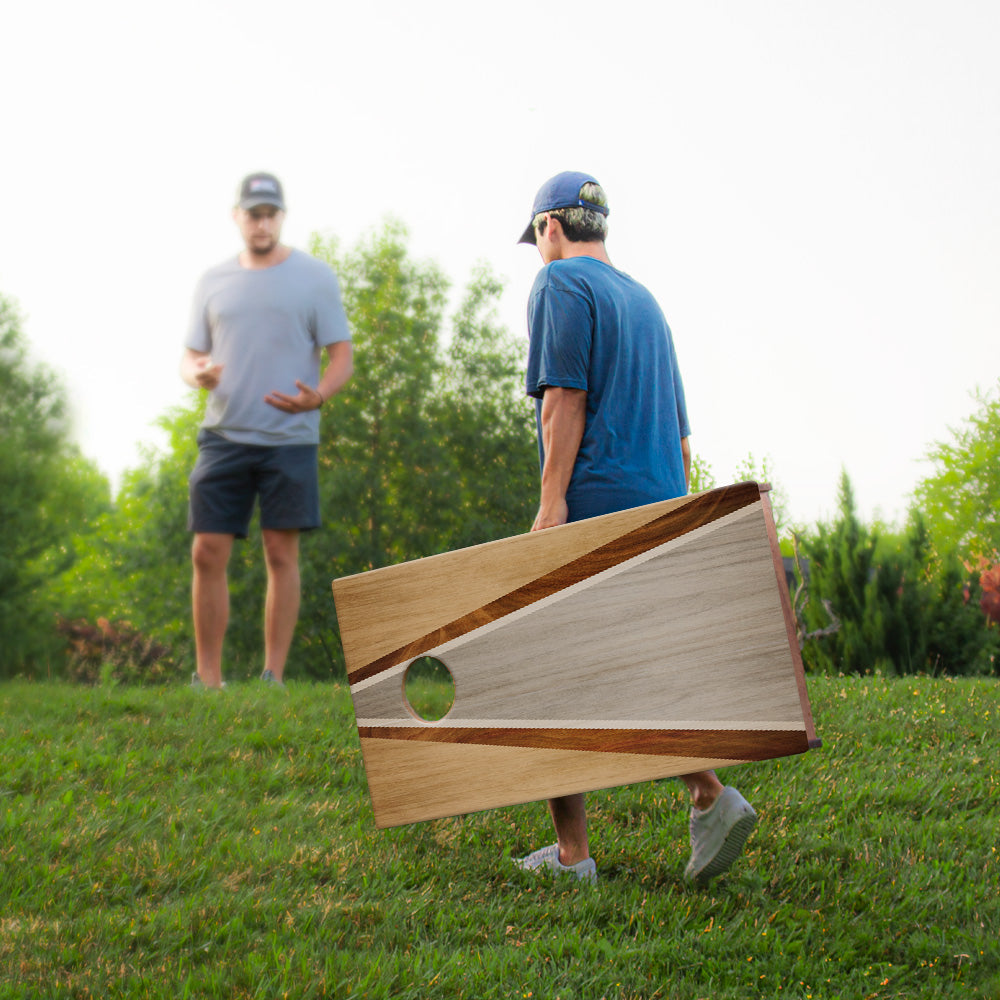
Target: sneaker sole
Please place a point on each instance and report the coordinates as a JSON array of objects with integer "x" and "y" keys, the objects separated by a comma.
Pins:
[{"x": 731, "y": 849}]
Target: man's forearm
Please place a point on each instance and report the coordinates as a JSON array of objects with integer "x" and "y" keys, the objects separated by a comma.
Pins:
[
  {"x": 564, "y": 414},
  {"x": 338, "y": 370}
]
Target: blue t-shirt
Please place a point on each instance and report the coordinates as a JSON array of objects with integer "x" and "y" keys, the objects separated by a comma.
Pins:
[{"x": 592, "y": 327}]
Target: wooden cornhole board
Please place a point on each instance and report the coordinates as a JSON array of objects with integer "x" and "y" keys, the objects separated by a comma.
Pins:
[{"x": 639, "y": 645}]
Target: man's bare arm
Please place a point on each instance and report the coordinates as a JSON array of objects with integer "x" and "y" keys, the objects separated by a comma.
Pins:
[{"x": 564, "y": 415}]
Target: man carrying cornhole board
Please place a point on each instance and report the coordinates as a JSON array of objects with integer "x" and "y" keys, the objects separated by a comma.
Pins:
[
  {"x": 613, "y": 434},
  {"x": 635, "y": 633}
]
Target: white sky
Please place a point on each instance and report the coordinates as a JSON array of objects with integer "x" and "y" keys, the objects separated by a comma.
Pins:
[{"x": 811, "y": 190}]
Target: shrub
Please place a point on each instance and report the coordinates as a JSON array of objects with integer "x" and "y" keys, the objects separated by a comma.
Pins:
[
  {"x": 115, "y": 652},
  {"x": 901, "y": 606}
]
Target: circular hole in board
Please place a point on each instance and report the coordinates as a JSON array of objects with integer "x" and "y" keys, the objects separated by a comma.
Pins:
[{"x": 428, "y": 688}]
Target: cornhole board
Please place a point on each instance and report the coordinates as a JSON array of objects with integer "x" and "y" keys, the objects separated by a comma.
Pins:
[{"x": 638, "y": 645}]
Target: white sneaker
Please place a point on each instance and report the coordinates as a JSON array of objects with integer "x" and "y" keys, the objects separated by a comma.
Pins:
[
  {"x": 718, "y": 835},
  {"x": 548, "y": 857},
  {"x": 199, "y": 684}
]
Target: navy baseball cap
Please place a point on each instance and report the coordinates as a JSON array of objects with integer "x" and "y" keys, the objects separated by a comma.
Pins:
[
  {"x": 261, "y": 189},
  {"x": 561, "y": 191}
]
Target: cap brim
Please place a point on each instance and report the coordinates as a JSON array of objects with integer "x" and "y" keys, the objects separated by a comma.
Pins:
[
  {"x": 528, "y": 236},
  {"x": 248, "y": 203}
]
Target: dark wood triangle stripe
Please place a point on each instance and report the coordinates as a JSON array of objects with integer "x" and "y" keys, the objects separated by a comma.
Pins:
[
  {"x": 702, "y": 510},
  {"x": 724, "y": 744}
]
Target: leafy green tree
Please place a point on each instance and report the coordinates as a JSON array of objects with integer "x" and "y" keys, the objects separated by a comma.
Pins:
[
  {"x": 487, "y": 422},
  {"x": 750, "y": 470},
  {"x": 961, "y": 500},
  {"x": 702, "y": 476},
  {"x": 134, "y": 566},
  {"x": 380, "y": 460},
  {"x": 427, "y": 448},
  {"x": 49, "y": 493}
]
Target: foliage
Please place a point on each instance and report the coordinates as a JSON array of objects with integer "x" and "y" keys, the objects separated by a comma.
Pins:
[
  {"x": 703, "y": 478},
  {"x": 429, "y": 447},
  {"x": 961, "y": 500},
  {"x": 114, "y": 651},
  {"x": 173, "y": 843},
  {"x": 900, "y": 605},
  {"x": 750, "y": 471},
  {"x": 135, "y": 566},
  {"x": 50, "y": 494}
]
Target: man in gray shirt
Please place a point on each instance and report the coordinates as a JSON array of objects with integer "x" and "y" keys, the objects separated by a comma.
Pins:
[{"x": 258, "y": 326}]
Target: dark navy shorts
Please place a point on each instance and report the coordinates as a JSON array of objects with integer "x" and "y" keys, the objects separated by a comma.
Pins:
[{"x": 229, "y": 477}]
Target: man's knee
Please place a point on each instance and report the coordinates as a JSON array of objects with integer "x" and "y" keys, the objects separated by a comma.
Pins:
[
  {"x": 210, "y": 552},
  {"x": 281, "y": 551}
]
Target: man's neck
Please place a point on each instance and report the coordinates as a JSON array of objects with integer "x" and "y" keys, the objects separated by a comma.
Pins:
[
  {"x": 594, "y": 248},
  {"x": 258, "y": 262}
]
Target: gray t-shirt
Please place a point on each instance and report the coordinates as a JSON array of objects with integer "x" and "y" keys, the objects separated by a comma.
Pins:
[{"x": 267, "y": 328}]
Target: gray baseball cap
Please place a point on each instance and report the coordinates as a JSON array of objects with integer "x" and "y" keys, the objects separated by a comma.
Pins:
[{"x": 261, "y": 189}]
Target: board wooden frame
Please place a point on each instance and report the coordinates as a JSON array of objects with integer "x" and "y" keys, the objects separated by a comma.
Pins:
[{"x": 639, "y": 645}]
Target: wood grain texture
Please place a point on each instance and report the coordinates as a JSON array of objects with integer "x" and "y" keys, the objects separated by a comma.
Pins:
[
  {"x": 720, "y": 743},
  {"x": 454, "y": 779},
  {"x": 661, "y": 527},
  {"x": 662, "y": 632}
]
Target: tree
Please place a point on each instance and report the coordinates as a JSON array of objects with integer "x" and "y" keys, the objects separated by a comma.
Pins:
[
  {"x": 50, "y": 493},
  {"x": 961, "y": 499},
  {"x": 427, "y": 449},
  {"x": 488, "y": 424},
  {"x": 900, "y": 606},
  {"x": 703, "y": 478},
  {"x": 134, "y": 566},
  {"x": 749, "y": 470}
]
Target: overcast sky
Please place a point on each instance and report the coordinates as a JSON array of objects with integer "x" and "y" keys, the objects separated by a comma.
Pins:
[{"x": 810, "y": 190}]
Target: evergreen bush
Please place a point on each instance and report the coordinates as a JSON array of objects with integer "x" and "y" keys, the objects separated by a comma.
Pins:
[{"x": 902, "y": 607}]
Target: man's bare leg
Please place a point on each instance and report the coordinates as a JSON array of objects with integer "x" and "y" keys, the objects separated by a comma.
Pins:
[
  {"x": 721, "y": 821},
  {"x": 704, "y": 787},
  {"x": 210, "y": 602},
  {"x": 569, "y": 816},
  {"x": 284, "y": 588}
]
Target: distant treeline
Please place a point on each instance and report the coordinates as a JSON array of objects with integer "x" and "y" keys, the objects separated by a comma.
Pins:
[{"x": 431, "y": 447}]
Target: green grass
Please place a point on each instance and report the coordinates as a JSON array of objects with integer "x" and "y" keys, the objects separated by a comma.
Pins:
[{"x": 182, "y": 844}]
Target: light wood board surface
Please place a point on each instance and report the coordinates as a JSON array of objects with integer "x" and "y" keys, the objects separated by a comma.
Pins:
[{"x": 638, "y": 645}]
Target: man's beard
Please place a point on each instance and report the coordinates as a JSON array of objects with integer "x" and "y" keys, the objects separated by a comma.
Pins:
[{"x": 262, "y": 250}]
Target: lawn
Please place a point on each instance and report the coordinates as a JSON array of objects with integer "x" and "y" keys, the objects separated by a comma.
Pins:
[{"x": 175, "y": 843}]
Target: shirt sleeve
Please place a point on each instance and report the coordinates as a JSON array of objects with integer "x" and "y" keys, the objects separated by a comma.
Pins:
[
  {"x": 199, "y": 333},
  {"x": 560, "y": 330},
  {"x": 331, "y": 320},
  {"x": 682, "y": 417}
]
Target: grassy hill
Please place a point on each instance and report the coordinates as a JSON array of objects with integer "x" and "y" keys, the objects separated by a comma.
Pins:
[{"x": 174, "y": 843}]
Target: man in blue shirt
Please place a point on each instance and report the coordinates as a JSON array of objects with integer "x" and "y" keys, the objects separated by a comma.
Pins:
[{"x": 612, "y": 434}]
